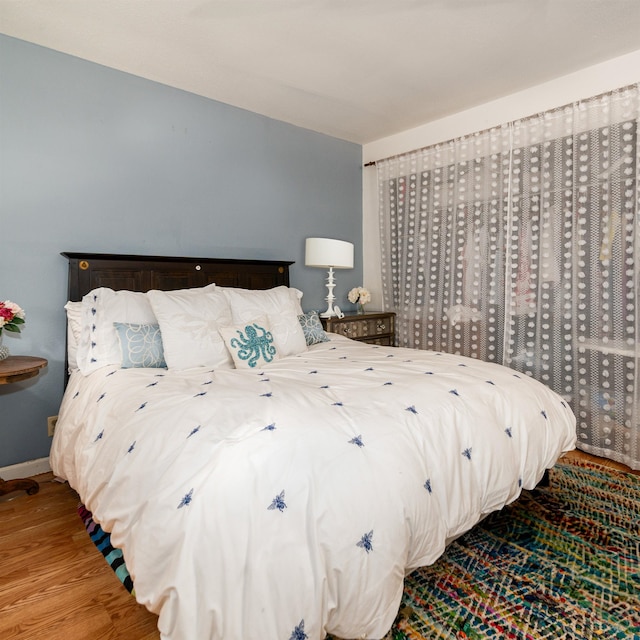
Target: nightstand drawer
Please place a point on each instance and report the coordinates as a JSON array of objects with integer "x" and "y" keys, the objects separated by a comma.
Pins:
[{"x": 377, "y": 328}]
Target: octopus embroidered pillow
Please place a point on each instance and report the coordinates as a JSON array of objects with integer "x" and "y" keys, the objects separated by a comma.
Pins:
[
  {"x": 280, "y": 305},
  {"x": 251, "y": 344}
]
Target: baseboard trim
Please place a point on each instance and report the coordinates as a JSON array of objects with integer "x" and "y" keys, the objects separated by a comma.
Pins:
[{"x": 25, "y": 469}]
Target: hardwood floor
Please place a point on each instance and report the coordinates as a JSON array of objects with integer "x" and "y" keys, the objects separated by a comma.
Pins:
[
  {"x": 54, "y": 584},
  {"x": 609, "y": 463}
]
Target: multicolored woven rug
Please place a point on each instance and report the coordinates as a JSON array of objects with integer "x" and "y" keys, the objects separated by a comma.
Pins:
[
  {"x": 102, "y": 540},
  {"x": 560, "y": 563}
]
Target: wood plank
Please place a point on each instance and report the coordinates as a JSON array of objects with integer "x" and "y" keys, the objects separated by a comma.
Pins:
[{"x": 54, "y": 583}]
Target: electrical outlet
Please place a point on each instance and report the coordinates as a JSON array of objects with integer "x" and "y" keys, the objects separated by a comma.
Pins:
[{"x": 51, "y": 425}]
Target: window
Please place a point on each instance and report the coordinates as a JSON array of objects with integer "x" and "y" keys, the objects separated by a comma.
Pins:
[{"x": 520, "y": 246}]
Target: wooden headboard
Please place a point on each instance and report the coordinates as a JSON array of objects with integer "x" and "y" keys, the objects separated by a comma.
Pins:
[{"x": 88, "y": 271}]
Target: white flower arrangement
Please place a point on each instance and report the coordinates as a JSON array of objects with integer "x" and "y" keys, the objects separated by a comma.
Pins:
[{"x": 359, "y": 296}]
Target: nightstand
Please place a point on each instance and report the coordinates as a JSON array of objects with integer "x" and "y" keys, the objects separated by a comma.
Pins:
[
  {"x": 14, "y": 369},
  {"x": 374, "y": 328}
]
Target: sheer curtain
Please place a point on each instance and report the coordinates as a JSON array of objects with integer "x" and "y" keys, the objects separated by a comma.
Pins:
[{"x": 521, "y": 245}]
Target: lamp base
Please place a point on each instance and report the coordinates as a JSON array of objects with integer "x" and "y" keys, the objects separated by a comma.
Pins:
[{"x": 329, "y": 313}]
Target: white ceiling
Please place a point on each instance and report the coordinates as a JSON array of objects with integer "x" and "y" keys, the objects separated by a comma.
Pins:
[{"x": 359, "y": 70}]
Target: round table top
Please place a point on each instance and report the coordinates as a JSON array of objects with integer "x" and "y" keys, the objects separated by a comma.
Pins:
[{"x": 16, "y": 368}]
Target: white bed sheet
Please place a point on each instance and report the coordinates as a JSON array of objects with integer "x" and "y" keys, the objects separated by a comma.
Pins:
[{"x": 289, "y": 502}]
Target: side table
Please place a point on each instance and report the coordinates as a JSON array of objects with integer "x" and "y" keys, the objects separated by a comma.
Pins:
[
  {"x": 374, "y": 328},
  {"x": 15, "y": 369}
]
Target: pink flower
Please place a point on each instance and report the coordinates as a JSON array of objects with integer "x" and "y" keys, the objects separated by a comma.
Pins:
[{"x": 11, "y": 316}]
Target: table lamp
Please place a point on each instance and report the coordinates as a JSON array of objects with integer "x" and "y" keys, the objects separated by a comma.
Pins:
[{"x": 329, "y": 254}]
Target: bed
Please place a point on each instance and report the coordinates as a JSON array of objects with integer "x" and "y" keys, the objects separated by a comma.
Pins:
[{"x": 263, "y": 478}]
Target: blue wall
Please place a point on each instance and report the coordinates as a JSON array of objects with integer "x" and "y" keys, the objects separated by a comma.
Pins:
[{"x": 92, "y": 159}]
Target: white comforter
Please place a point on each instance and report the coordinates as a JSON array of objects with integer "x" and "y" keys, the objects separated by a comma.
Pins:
[{"x": 285, "y": 503}]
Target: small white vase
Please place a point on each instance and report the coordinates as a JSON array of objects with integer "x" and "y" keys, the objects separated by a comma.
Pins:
[{"x": 4, "y": 351}]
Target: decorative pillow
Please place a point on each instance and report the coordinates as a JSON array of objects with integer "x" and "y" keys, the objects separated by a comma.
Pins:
[
  {"x": 140, "y": 345},
  {"x": 74, "y": 332},
  {"x": 251, "y": 344},
  {"x": 281, "y": 306},
  {"x": 312, "y": 328},
  {"x": 99, "y": 345},
  {"x": 189, "y": 321}
]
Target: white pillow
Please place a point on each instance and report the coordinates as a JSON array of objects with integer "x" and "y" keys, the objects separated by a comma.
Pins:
[
  {"x": 98, "y": 345},
  {"x": 189, "y": 322},
  {"x": 282, "y": 307},
  {"x": 251, "y": 344},
  {"x": 74, "y": 332}
]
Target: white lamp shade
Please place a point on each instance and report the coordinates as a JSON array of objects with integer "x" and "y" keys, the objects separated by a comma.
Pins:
[{"x": 325, "y": 252}]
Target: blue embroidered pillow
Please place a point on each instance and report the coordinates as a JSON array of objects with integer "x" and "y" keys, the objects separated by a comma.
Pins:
[
  {"x": 312, "y": 328},
  {"x": 141, "y": 345},
  {"x": 251, "y": 343}
]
